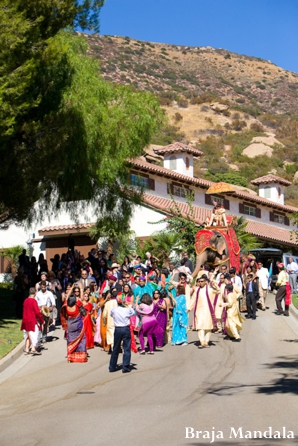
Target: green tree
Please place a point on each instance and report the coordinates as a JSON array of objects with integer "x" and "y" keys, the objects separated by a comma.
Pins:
[
  {"x": 246, "y": 240},
  {"x": 183, "y": 225},
  {"x": 162, "y": 245},
  {"x": 231, "y": 178},
  {"x": 294, "y": 232},
  {"x": 12, "y": 255},
  {"x": 65, "y": 134}
]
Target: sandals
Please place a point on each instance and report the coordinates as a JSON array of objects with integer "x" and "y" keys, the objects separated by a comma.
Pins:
[
  {"x": 26, "y": 353},
  {"x": 201, "y": 346},
  {"x": 35, "y": 353}
]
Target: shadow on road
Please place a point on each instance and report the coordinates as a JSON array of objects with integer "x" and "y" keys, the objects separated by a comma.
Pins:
[{"x": 287, "y": 383}]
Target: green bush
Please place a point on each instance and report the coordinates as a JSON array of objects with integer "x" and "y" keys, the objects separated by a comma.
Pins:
[
  {"x": 6, "y": 286},
  {"x": 231, "y": 178}
]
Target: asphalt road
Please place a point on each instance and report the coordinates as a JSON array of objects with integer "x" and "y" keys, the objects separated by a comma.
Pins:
[{"x": 251, "y": 385}]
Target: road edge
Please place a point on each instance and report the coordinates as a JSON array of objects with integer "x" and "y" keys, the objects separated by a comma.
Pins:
[{"x": 12, "y": 356}]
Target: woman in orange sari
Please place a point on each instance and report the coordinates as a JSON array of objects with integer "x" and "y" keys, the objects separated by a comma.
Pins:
[{"x": 72, "y": 321}]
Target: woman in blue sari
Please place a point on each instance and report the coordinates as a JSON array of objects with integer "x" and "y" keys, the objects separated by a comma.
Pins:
[{"x": 180, "y": 318}]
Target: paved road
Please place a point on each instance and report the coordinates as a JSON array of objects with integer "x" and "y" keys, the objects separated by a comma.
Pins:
[{"x": 254, "y": 385}]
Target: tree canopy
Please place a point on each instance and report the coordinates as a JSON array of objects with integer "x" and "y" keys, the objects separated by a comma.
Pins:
[{"x": 65, "y": 133}]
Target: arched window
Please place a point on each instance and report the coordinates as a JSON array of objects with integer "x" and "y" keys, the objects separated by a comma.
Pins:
[
  {"x": 173, "y": 163},
  {"x": 187, "y": 163},
  {"x": 267, "y": 192}
]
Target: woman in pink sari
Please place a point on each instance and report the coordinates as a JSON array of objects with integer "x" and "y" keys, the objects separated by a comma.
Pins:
[{"x": 149, "y": 325}]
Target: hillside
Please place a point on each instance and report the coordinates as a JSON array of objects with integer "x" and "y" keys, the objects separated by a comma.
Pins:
[
  {"x": 193, "y": 71},
  {"x": 222, "y": 101}
]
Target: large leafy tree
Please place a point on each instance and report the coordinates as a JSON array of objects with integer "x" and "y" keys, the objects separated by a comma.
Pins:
[{"x": 65, "y": 134}]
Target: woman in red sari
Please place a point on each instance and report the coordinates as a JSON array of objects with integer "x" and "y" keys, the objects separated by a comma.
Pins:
[
  {"x": 72, "y": 321},
  {"x": 88, "y": 321}
]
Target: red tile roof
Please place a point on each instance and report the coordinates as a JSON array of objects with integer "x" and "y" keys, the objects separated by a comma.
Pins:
[
  {"x": 165, "y": 205},
  {"x": 260, "y": 230},
  {"x": 199, "y": 182},
  {"x": 178, "y": 147},
  {"x": 164, "y": 172},
  {"x": 270, "y": 178},
  {"x": 80, "y": 227},
  {"x": 270, "y": 233}
]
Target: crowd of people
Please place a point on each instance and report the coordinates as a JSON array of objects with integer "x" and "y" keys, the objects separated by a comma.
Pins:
[{"x": 138, "y": 306}]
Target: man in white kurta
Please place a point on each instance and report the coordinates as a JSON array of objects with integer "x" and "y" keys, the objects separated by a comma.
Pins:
[
  {"x": 218, "y": 304},
  {"x": 204, "y": 322}
]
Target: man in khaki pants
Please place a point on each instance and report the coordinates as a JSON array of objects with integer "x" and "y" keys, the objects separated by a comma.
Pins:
[{"x": 263, "y": 276}]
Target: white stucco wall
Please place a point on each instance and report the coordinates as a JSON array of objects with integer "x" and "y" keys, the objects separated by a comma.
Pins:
[
  {"x": 180, "y": 163},
  {"x": 142, "y": 217},
  {"x": 276, "y": 192}
]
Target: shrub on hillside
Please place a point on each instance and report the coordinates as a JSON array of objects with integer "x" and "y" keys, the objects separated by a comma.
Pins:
[
  {"x": 167, "y": 135},
  {"x": 256, "y": 127},
  {"x": 178, "y": 117},
  {"x": 238, "y": 124},
  {"x": 182, "y": 102}
]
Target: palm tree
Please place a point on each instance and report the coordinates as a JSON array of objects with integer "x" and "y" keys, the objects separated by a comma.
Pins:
[
  {"x": 161, "y": 245},
  {"x": 12, "y": 255},
  {"x": 246, "y": 240}
]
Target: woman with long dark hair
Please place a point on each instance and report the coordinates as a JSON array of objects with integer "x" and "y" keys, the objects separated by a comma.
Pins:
[
  {"x": 149, "y": 326},
  {"x": 71, "y": 315},
  {"x": 160, "y": 312},
  {"x": 180, "y": 318}
]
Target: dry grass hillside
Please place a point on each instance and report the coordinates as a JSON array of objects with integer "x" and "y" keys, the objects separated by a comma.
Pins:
[
  {"x": 241, "y": 111},
  {"x": 192, "y": 71}
]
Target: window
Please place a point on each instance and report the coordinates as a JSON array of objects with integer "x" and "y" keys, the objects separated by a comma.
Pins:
[
  {"x": 173, "y": 163},
  {"x": 138, "y": 180},
  {"x": 267, "y": 192},
  {"x": 187, "y": 163},
  {"x": 223, "y": 201},
  {"x": 279, "y": 192},
  {"x": 219, "y": 200},
  {"x": 142, "y": 181},
  {"x": 279, "y": 218},
  {"x": 177, "y": 190},
  {"x": 249, "y": 210}
]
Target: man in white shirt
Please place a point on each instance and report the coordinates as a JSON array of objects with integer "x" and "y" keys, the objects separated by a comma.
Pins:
[
  {"x": 292, "y": 270},
  {"x": 263, "y": 276},
  {"x": 45, "y": 298},
  {"x": 121, "y": 316},
  {"x": 235, "y": 279}
]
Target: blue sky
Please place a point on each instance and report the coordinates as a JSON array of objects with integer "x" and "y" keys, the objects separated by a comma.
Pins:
[{"x": 261, "y": 28}]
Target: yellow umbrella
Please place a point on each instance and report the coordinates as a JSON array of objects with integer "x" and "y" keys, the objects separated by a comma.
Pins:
[{"x": 220, "y": 188}]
